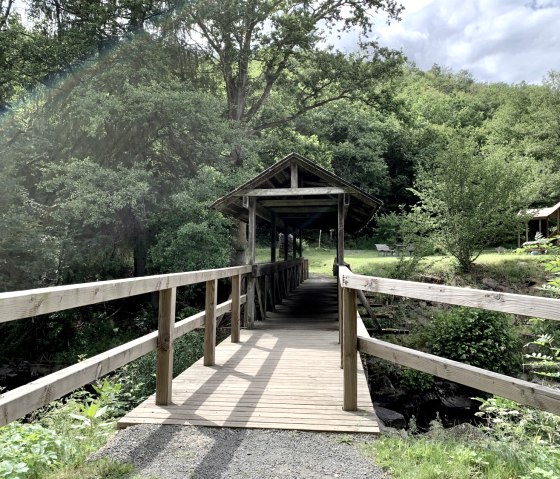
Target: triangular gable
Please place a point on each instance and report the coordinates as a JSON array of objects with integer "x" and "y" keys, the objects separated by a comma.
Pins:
[{"x": 361, "y": 205}]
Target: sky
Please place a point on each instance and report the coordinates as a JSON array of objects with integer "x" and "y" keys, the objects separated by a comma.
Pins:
[{"x": 496, "y": 40}]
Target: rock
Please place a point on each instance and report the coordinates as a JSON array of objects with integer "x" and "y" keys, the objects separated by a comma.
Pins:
[
  {"x": 458, "y": 402},
  {"x": 389, "y": 417},
  {"x": 491, "y": 283}
]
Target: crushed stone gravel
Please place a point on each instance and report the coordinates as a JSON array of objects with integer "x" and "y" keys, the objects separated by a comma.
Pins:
[{"x": 179, "y": 452}]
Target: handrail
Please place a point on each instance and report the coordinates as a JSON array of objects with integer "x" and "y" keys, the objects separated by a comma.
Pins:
[
  {"x": 356, "y": 338},
  {"x": 20, "y": 304},
  {"x": 547, "y": 308},
  {"x": 25, "y": 399},
  {"x": 33, "y": 302}
]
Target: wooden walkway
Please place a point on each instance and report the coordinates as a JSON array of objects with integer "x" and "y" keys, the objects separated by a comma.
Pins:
[{"x": 285, "y": 374}]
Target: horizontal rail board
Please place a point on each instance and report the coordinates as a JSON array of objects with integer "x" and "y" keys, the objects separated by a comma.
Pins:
[
  {"x": 25, "y": 399},
  {"x": 523, "y": 392},
  {"x": 270, "y": 268},
  {"x": 547, "y": 308},
  {"x": 268, "y": 192},
  {"x": 33, "y": 302}
]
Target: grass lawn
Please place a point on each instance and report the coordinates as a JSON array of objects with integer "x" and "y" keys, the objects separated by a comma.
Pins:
[{"x": 370, "y": 262}]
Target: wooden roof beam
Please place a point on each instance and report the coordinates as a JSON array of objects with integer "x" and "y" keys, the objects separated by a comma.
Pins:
[
  {"x": 264, "y": 192},
  {"x": 299, "y": 202}
]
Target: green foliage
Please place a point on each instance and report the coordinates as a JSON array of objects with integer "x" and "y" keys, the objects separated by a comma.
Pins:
[
  {"x": 470, "y": 195},
  {"x": 27, "y": 450},
  {"x": 507, "y": 419},
  {"x": 103, "y": 468},
  {"x": 416, "y": 381},
  {"x": 545, "y": 361},
  {"x": 138, "y": 378},
  {"x": 485, "y": 339},
  {"x": 442, "y": 455},
  {"x": 513, "y": 442}
]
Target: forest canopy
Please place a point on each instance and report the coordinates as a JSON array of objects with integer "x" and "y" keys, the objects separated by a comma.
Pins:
[{"x": 122, "y": 120}]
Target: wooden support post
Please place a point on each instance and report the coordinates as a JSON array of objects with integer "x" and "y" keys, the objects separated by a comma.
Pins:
[
  {"x": 273, "y": 239},
  {"x": 285, "y": 241},
  {"x": 235, "y": 308},
  {"x": 267, "y": 290},
  {"x": 340, "y": 236},
  {"x": 210, "y": 322},
  {"x": 350, "y": 348},
  {"x": 250, "y": 304},
  {"x": 340, "y": 322},
  {"x": 166, "y": 324},
  {"x": 300, "y": 242},
  {"x": 293, "y": 175},
  {"x": 260, "y": 299},
  {"x": 294, "y": 243}
]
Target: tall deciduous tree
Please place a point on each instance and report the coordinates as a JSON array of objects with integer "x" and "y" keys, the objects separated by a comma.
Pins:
[
  {"x": 258, "y": 44},
  {"x": 470, "y": 195}
]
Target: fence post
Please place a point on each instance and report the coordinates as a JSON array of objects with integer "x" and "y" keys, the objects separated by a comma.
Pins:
[
  {"x": 235, "y": 308},
  {"x": 350, "y": 349},
  {"x": 166, "y": 324},
  {"x": 210, "y": 322}
]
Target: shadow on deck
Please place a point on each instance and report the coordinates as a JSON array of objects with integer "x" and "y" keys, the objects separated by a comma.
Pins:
[{"x": 284, "y": 374}]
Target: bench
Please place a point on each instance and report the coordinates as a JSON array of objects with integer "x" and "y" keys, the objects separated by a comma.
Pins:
[{"x": 384, "y": 249}]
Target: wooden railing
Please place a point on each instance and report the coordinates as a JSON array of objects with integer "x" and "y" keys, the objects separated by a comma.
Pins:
[
  {"x": 22, "y": 304},
  {"x": 274, "y": 281},
  {"x": 356, "y": 338}
]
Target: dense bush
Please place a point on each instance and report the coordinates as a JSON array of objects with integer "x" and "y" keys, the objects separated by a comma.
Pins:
[{"x": 478, "y": 337}]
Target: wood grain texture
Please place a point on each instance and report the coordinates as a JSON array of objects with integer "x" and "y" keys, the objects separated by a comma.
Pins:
[
  {"x": 210, "y": 322},
  {"x": 524, "y": 392},
  {"x": 164, "y": 367},
  {"x": 525, "y": 305},
  {"x": 260, "y": 382},
  {"x": 33, "y": 302},
  {"x": 235, "y": 308},
  {"x": 349, "y": 348},
  {"x": 25, "y": 399},
  {"x": 271, "y": 192}
]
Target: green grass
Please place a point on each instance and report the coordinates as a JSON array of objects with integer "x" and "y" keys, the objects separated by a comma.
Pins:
[
  {"x": 508, "y": 268},
  {"x": 427, "y": 458},
  {"x": 321, "y": 260},
  {"x": 96, "y": 470}
]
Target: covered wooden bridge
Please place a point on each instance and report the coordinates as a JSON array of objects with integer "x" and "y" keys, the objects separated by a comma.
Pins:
[{"x": 285, "y": 371}]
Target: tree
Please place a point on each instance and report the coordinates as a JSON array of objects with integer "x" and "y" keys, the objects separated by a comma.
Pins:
[
  {"x": 257, "y": 45},
  {"x": 470, "y": 195}
]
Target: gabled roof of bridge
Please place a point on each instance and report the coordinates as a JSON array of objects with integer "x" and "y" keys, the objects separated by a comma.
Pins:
[{"x": 312, "y": 205}]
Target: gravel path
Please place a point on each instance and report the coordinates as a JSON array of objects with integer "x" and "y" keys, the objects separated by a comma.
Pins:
[{"x": 179, "y": 452}]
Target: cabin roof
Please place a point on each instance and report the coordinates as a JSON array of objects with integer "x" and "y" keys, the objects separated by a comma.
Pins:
[
  {"x": 543, "y": 213},
  {"x": 315, "y": 206}
]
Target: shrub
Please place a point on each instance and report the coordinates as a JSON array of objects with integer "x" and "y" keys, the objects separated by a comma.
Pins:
[
  {"x": 27, "y": 450},
  {"x": 481, "y": 338}
]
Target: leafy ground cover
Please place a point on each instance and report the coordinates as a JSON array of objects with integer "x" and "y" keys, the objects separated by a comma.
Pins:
[{"x": 55, "y": 441}]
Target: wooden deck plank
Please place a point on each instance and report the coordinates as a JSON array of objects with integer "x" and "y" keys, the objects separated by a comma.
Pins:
[{"x": 284, "y": 375}]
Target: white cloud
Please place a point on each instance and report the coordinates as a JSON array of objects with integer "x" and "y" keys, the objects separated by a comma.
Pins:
[{"x": 509, "y": 41}]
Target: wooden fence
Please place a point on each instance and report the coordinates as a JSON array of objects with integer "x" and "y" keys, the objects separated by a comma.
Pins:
[
  {"x": 21, "y": 304},
  {"x": 356, "y": 338}
]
